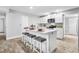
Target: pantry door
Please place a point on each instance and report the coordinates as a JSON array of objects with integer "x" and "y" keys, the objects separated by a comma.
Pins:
[
  {"x": 1, "y": 25},
  {"x": 73, "y": 25}
]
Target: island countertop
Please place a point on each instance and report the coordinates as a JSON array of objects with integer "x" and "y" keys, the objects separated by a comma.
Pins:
[{"x": 43, "y": 31}]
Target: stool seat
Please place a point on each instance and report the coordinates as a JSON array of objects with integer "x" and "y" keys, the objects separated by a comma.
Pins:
[
  {"x": 31, "y": 35},
  {"x": 40, "y": 39},
  {"x": 25, "y": 33}
]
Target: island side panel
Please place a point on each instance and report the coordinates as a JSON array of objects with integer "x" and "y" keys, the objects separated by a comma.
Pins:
[{"x": 52, "y": 41}]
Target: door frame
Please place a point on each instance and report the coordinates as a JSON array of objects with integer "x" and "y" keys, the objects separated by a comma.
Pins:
[
  {"x": 71, "y": 15},
  {"x": 3, "y": 25}
]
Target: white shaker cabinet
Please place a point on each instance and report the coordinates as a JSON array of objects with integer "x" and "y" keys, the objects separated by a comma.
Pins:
[
  {"x": 53, "y": 16},
  {"x": 45, "y": 19},
  {"x": 58, "y": 18},
  {"x": 60, "y": 33}
]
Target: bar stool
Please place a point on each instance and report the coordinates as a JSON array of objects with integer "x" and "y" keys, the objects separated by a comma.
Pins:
[
  {"x": 24, "y": 38},
  {"x": 40, "y": 43},
  {"x": 27, "y": 39},
  {"x": 30, "y": 39},
  {"x": 34, "y": 42}
]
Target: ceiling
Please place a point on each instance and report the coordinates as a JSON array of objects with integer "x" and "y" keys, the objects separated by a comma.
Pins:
[{"x": 39, "y": 10}]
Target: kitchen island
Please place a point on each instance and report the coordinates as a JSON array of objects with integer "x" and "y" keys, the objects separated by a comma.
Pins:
[{"x": 49, "y": 35}]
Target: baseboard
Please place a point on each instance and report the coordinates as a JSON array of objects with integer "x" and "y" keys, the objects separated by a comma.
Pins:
[
  {"x": 1, "y": 32},
  {"x": 13, "y": 37}
]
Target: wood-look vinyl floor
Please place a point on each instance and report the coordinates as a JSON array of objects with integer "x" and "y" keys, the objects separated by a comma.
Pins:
[{"x": 67, "y": 45}]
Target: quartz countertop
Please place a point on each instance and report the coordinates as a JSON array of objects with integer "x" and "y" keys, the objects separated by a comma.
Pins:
[{"x": 43, "y": 31}]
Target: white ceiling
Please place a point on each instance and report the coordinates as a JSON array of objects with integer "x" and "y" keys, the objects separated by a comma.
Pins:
[{"x": 39, "y": 10}]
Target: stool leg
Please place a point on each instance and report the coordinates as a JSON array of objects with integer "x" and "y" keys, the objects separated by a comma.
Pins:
[
  {"x": 40, "y": 47},
  {"x": 22, "y": 38},
  {"x": 31, "y": 43},
  {"x": 26, "y": 41},
  {"x": 33, "y": 46}
]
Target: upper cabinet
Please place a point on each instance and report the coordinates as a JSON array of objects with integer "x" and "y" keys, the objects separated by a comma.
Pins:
[
  {"x": 45, "y": 19},
  {"x": 58, "y": 18},
  {"x": 52, "y": 15}
]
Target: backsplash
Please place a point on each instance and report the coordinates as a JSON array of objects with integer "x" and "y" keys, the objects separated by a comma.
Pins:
[
  {"x": 59, "y": 25},
  {"x": 45, "y": 24}
]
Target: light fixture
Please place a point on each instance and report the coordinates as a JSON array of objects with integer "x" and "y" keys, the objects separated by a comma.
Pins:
[
  {"x": 48, "y": 15},
  {"x": 31, "y": 7}
]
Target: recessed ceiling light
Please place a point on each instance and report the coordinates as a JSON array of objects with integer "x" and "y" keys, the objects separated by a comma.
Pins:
[{"x": 31, "y": 7}]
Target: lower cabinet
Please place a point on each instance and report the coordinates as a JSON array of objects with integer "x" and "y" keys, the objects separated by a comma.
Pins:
[{"x": 60, "y": 33}]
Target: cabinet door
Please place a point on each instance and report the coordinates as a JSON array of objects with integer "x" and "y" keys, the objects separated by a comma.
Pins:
[
  {"x": 73, "y": 25},
  {"x": 53, "y": 16},
  {"x": 60, "y": 33},
  {"x": 44, "y": 19},
  {"x": 58, "y": 18}
]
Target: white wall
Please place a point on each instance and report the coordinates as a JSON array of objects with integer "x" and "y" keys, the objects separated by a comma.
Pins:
[
  {"x": 33, "y": 20},
  {"x": 66, "y": 25},
  {"x": 13, "y": 25},
  {"x": 71, "y": 24}
]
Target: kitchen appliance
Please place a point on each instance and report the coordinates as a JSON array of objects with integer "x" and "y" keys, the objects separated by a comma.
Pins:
[
  {"x": 52, "y": 20},
  {"x": 52, "y": 26}
]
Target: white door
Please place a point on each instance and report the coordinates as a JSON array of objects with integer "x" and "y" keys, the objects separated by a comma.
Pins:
[
  {"x": 24, "y": 22},
  {"x": 73, "y": 22},
  {"x": 1, "y": 25}
]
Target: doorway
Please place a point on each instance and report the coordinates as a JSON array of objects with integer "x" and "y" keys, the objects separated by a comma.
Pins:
[
  {"x": 2, "y": 27},
  {"x": 71, "y": 25},
  {"x": 71, "y": 31}
]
